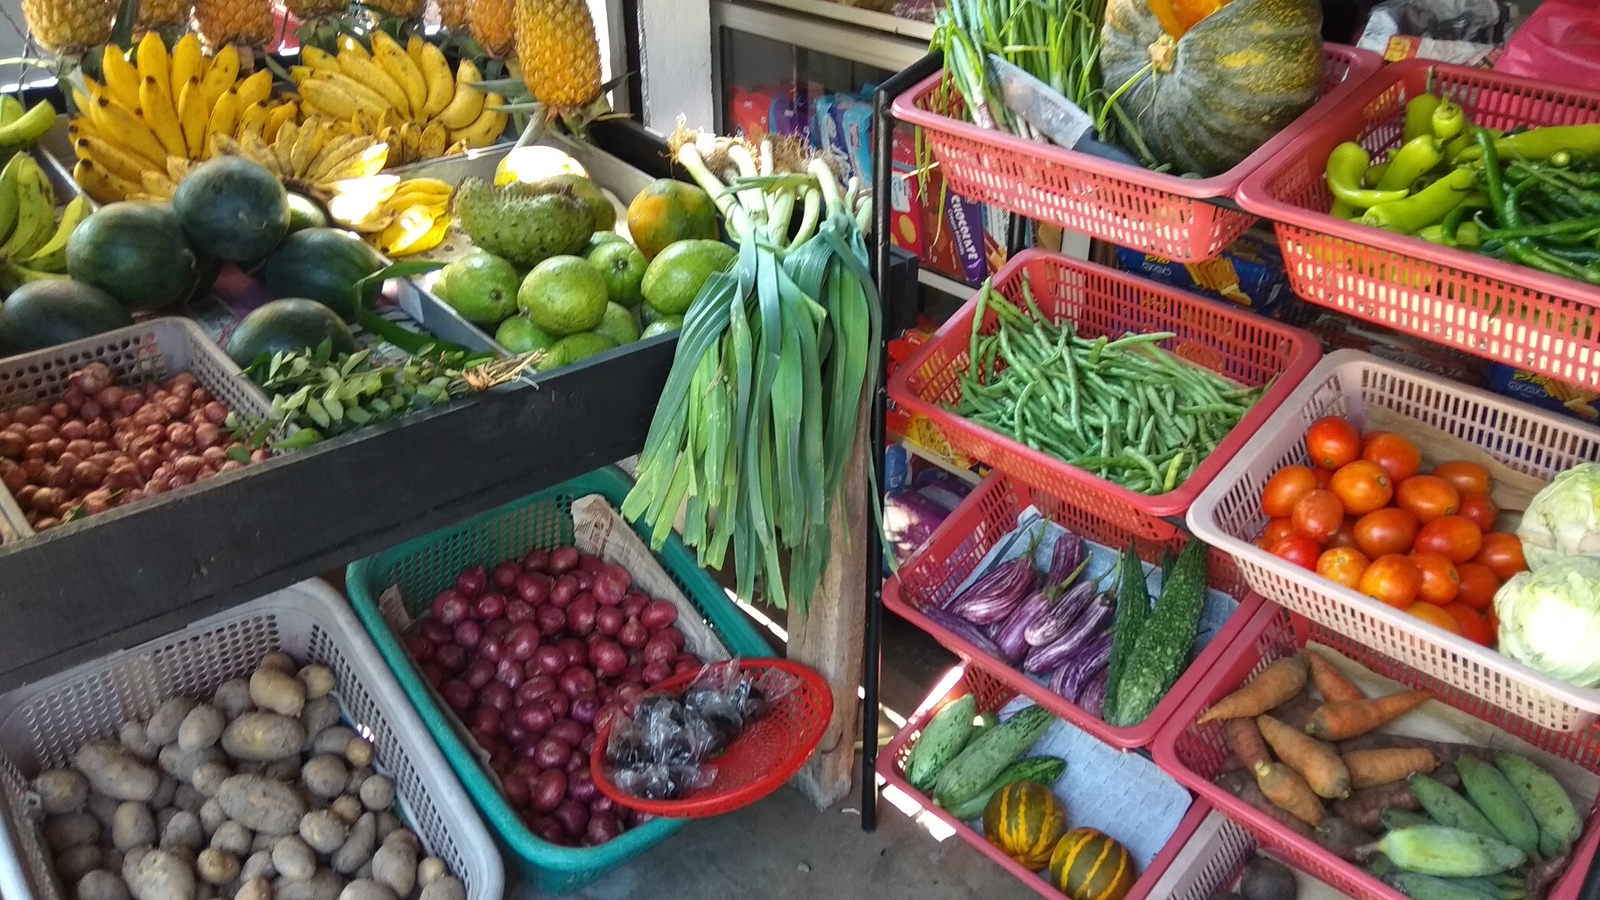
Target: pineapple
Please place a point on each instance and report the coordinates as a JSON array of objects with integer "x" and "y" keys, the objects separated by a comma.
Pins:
[
  {"x": 559, "y": 54},
  {"x": 156, "y": 15},
  {"x": 223, "y": 22},
  {"x": 453, "y": 15},
  {"x": 306, "y": 10},
  {"x": 493, "y": 25},
  {"x": 69, "y": 26},
  {"x": 404, "y": 9}
]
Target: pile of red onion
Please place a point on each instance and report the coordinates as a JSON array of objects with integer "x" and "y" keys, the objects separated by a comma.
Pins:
[{"x": 532, "y": 655}]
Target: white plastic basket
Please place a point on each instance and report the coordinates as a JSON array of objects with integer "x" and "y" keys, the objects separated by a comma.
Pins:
[
  {"x": 153, "y": 350},
  {"x": 1213, "y": 857},
  {"x": 1227, "y": 515},
  {"x": 42, "y": 724}
]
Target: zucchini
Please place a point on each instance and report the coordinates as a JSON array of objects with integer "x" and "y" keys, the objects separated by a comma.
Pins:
[
  {"x": 988, "y": 754},
  {"x": 1133, "y": 607},
  {"x": 1046, "y": 770},
  {"x": 1164, "y": 643},
  {"x": 941, "y": 740}
]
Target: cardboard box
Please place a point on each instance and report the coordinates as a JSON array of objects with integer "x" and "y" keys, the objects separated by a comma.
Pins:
[{"x": 1545, "y": 392}]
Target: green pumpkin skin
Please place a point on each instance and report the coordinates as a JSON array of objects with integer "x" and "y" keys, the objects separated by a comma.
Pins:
[{"x": 1236, "y": 79}]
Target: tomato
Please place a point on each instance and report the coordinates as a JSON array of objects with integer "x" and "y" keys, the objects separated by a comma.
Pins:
[
  {"x": 1478, "y": 585},
  {"x": 1429, "y": 496},
  {"x": 1284, "y": 488},
  {"x": 1452, "y": 537},
  {"x": 1318, "y": 515},
  {"x": 1276, "y": 529},
  {"x": 1385, "y": 531},
  {"x": 1440, "y": 582},
  {"x": 1345, "y": 536},
  {"x": 1392, "y": 579},
  {"x": 1481, "y": 509},
  {"x": 1342, "y": 565},
  {"x": 1474, "y": 627},
  {"x": 1398, "y": 456},
  {"x": 1298, "y": 549},
  {"x": 1324, "y": 477},
  {"x": 1468, "y": 478},
  {"x": 1435, "y": 615},
  {"x": 1502, "y": 553},
  {"x": 1362, "y": 487},
  {"x": 1333, "y": 442},
  {"x": 1494, "y": 623}
]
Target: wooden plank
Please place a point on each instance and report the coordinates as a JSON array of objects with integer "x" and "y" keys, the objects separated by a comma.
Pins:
[{"x": 830, "y": 638}]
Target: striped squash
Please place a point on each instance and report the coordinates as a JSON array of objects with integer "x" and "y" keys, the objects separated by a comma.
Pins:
[
  {"x": 1025, "y": 820},
  {"x": 1088, "y": 865}
]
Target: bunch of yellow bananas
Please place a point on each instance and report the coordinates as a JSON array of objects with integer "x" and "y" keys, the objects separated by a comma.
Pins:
[
  {"x": 400, "y": 218},
  {"x": 34, "y": 245},
  {"x": 407, "y": 96}
]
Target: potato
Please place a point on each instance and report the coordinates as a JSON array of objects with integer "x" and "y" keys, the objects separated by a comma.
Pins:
[
  {"x": 324, "y": 775},
  {"x": 181, "y": 764},
  {"x": 216, "y": 866},
  {"x": 332, "y": 739},
  {"x": 358, "y": 752},
  {"x": 402, "y": 836},
  {"x": 319, "y": 714},
  {"x": 102, "y": 808},
  {"x": 358, "y": 777},
  {"x": 325, "y": 885},
  {"x": 357, "y": 849},
  {"x": 285, "y": 769},
  {"x": 166, "y": 791},
  {"x": 446, "y": 888},
  {"x": 165, "y": 816},
  {"x": 377, "y": 792},
  {"x": 347, "y": 808},
  {"x": 136, "y": 740},
  {"x": 185, "y": 831},
  {"x": 208, "y": 776},
  {"x": 261, "y": 804},
  {"x": 71, "y": 830},
  {"x": 430, "y": 870},
  {"x": 77, "y": 862},
  {"x": 62, "y": 791},
  {"x": 263, "y": 841},
  {"x": 293, "y": 858},
  {"x": 133, "y": 826},
  {"x": 395, "y": 866},
  {"x": 201, "y": 727},
  {"x": 277, "y": 692},
  {"x": 318, "y": 679},
  {"x": 388, "y": 824},
  {"x": 160, "y": 875},
  {"x": 280, "y": 661},
  {"x": 232, "y": 837},
  {"x": 254, "y": 889},
  {"x": 366, "y": 889},
  {"x": 233, "y": 697},
  {"x": 187, "y": 797},
  {"x": 101, "y": 885},
  {"x": 212, "y": 816},
  {"x": 162, "y": 729},
  {"x": 111, "y": 859},
  {"x": 258, "y": 865},
  {"x": 113, "y": 771},
  {"x": 263, "y": 736},
  {"x": 323, "y": 831}
]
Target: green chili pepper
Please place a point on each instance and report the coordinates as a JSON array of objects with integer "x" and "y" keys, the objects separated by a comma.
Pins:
[
  {"x": 1561, "y": 158},
  {"x": 1424, "y": 208},
  {"x": 1565, "y": 226},
  {"x": 1448, "y": 120},
  {"x": 1419, "y": 116},
  {"x": 1346, "y": 166},
  {"x": 1492, "y": 183},
  {"x": 1463, "y": 142},
  {"x": 1413, "y": 160},
  {"x": 1544, "y": 143},
  {"x": 1344, "y": 210},
  {"x": 1374, "y": 174}
]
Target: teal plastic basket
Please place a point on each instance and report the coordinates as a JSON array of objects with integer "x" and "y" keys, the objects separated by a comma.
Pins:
[{"x": 424, "y": 567}]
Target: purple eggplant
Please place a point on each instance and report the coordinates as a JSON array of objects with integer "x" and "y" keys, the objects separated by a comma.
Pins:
[
  {"x": 1009, "y": 634},
  {"x": 1070, "y": 680},
  {"x": 1091, "y": 624},
  {"x": 1093, "y": 697},
  {"x": 1057, "y": 620},
  {"x": 1067, "y": 560},
  {"x": 969, "y": 632},
  {"x": 991, "y": 598}
]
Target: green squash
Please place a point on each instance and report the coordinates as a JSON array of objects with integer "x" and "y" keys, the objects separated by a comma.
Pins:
[{"x": 1223, "y": 88}]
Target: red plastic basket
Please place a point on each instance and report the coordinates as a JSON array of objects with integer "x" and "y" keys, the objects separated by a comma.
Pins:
[
  {"x": 992, "y": 695},
  {"x": 766, "y": 754},
  {"x": 1100, "y": 301},
  {"x": 1514, "y": 314},
  {"x": 988, "y": 514},
  {"x": 1193, "y": 754},
  {"x": 1150, "y": 211}
]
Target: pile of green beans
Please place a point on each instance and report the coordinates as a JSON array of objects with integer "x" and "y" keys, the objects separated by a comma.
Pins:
[{"x": 1123, "y": 409}]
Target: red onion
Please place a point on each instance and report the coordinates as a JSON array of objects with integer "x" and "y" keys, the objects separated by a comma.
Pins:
[
  {"x": 550, "y": 660},
  {"x": 576, "y": 680},
  {"x": 535, "y": 717},
  {"x": 471, "y": 582},
  {"x": 491, "y": 649},
  {"x": 586, "y": 746},
  {"x": 469, "y": 632},
  {"x": 567, "y": 731},
  {"x": 581, "y": 787},
  {"x": 420, "y": 648},
  {"x": 550, "y": 619},
  {"x": 562, "y": 559},
  {"x": 659, "y": 615},
  {"x": 505, "y": 576},
  {"x": 496, "y": 695},
  {"x": 633, "y": 635},
  {"x": 534, "y": 587},
  {"x": 514, "y": 734},
  {"x": 438, "y": 632},
  {"x": 565, "y": 588},
  {"x": 577, "y": 762},
  {"x": 608, "y": 620},
  {"x": 509, "y": 673},
  {"x": 584, "y": 708},
  {"x": 450, "y": 657},
  {"x": 522, "y": 642},
  {"x": 657, "y": 672},
  {"x": 608, "y": 658},
  {"x": 585, "y": 579},
  {"x": 659, "y": 650},
  {"x": 559, "y": 704},
  {"x": 574, "y": 817},
  {"x": 518, "y": 611},
  {"x": 607, "y": 713},
  {"x": 611, "y": 584},
  {"x": 546, "y": 792},
  {"x": 432, "y": 674},
  {"x": 576, "y": 650},
  {"x": 535, "y": 687},
  {"x": 489, "y": 606},
  {"x": 535, "y": 560},
  {"x": 683, "y": 662},
  {"x": 580, "y": 615},
  {"x": 484, "y": 719},
  {"x": 630, "y": 690},
  {"x": 672, "y": 634},
  {"x": 457, "y": 694},
  {"x": 587, "y": 563},
  {"x": 550, "y": 752},
  {"x": 479, "y": 673},
  {"x": 548, "y": 829},
  {"x": 515, "y": 789},
  {"x": 450, "y": 607},
  {"x": 634, "y": 602}
]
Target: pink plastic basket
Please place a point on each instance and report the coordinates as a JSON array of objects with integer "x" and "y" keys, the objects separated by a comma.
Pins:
[
  {"x": 1514, "y": 314},
  {"x": 1194, "y": 754},
  {"x": 1347, "y": 383},
  {"x": 988, "y": 514},
  {"x": 1100, "y": 301},
  {"x": 991, "y": 696},
  {"x": 1151, "y": 211}
]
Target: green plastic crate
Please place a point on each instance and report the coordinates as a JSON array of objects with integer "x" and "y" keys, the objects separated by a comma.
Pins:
[{"x": 424, "y": 567}]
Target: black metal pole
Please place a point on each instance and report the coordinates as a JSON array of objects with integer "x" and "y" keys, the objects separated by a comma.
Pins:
[{"x": 882, "y": 169}]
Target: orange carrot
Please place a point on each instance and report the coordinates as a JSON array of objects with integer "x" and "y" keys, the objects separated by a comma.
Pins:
[
  {"x": 1318, "y": 763},
  {"x": 1370, "y": 768},
  {"x": 1297, "y": 712},
  {"x": 1330, "y": 681},
  {"x": 1276, "y": 684},
  {"x": 1346, "y": 719},
  {"x": 1284, "y": 787},
  {"x": 1244, "y": 738}
]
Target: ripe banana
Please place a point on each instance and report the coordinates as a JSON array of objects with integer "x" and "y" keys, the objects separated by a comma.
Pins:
[
  {"x": 114, "y": 159},
  {"x": 280, "y": 114},
  {"x": 372, "y": 75},
  {"x": 433, "y": 141},
  {"x": 351, "y": 46},
  {"x": 305, "y": 149},
  {"x": 157, "y": 184},
  {"x": 29, "y": 128},
  {"x": 490, "y": 124},
  {"x": 52, "y": 257},
  {"x": 36, "y": 212},
  {"x": 407, "y": 227},
  {"x": 9, "y": 198},
  {"x": 329, "y": 98},
  {"x": 283, "y": 148},
  {"x": 336, "y": 153},
  {"x": 224, "y": 116},
  {"x": 251, "y": 121},
  {"x": 441, "y": 83},
  {"x": 369, "y": 103},
  {"x": 319, "y": 60},
  {"x": 122, "y": 126},
  {"x": 186, "y": 62},
  {"x": 193, "y": 116},
  {"x": 122, "y": 79},
  {"x": 257, "y": 88},
  {"x": 1559, "y": 824},
  {"x": 220, "y": 76},
  {"x": 151, "y": 57},
  {"x": 161, "y": 114},
  {"x": 467, "y": 103},
  {"x": 397, "y": 64},
  {"x": 414, "y": 45}
]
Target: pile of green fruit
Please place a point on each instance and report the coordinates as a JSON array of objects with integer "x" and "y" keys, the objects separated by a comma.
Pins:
[{"x": 551, "y": 275}]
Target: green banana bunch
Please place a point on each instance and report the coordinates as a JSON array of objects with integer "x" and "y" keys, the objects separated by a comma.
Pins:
[{"x": 19, "y": 132}]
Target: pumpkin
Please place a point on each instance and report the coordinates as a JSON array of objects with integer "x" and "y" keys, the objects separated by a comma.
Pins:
[
  {"x": 1088, "y": 865},
  {"x": 1025, "y": 820},
  {"x": 1223, "y": 78}
]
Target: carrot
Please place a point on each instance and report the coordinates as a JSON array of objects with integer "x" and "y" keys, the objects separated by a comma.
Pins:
[
  {"x": 1330, "y": 681},
  {"x": 1243, "y": 785},
  {"x": 1370, "y": 768},
  {"x": 1317, "y": 762},
  {"x": 1445, "y": 750},
  {"x": 1364, "y": 808},
  {"x": 1284, "y": 787},
  {"x": 1297, "y": 711},
  {"x": 1343, "y": 719},
  {"x": 1244, "y": 739},
  {"x": 1274, "y": 685}
]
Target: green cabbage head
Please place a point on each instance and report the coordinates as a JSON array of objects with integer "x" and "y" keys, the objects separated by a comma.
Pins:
[
  {"x": 1550, "y": 619},
  {"x": 1564, "y": 518}
]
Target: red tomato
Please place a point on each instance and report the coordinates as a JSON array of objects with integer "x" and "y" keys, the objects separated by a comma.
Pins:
[
  {"x": 1276, "y": 528},
  {"x": 1398, "y": 456},
  {"x": 1468, "y": 478},
  {"x": 1481, "y": 509},
  {"x": 1318, "y": 515},
  {"x": 1285, "y": 488},
  {"x": 1435, "y": 615},
  {"x": 1440, "y": 581},
  {"x": 1392, "y": 579},
  {"x": 1452, "y": 537},
  {"x": 1345, "y": 536},
  {"x": 1428, "y": 496},
  {"x": 1385, "y": 531},
  {"x": 1298, "y": 549},
  {"x": 1333, "y": 442},
  {"x": 1474, "y": 627},
  {"x": 1502, "y": 553},
  {"x": 1478, "y": 585},
  {"x": 1342, "y": 565},
  {"x": 1362, "y": 487}
]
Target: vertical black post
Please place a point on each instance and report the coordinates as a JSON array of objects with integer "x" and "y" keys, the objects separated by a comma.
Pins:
[{"x": 882, "y": 170}]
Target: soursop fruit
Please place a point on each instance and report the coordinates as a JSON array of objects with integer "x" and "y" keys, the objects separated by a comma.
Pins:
[{"x": 524, "y": 223}]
